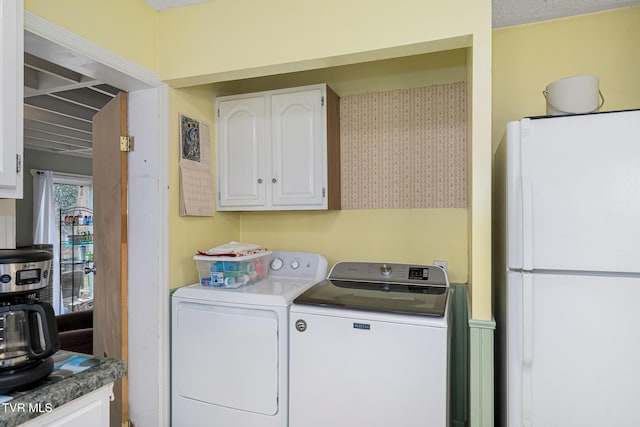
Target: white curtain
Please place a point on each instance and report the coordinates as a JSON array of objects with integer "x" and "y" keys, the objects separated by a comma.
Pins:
[
  {"x": 44, "y": 209},
  {"x": 44, "y": 224}
]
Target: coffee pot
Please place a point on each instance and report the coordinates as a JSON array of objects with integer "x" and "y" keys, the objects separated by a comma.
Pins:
[
  {"x": 28, "y": 327},
  {"x": 28, "y": 332}
]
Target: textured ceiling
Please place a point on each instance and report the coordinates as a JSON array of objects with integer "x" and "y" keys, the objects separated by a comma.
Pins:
[
  {"x": 505, "y": 12},
  {"x": 515, "y": 12},
  {"x": 168, "y": 4}
]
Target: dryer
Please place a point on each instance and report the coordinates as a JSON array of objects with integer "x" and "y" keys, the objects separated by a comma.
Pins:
[
  {"x": 370, "y": 347},
  {"x": 230, "y": 347}
]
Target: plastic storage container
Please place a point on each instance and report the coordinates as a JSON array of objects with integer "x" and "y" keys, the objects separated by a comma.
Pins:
[{"x": 232, "y": 272}]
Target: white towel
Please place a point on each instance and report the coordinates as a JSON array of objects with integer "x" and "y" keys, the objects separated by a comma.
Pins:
[{"x": 233, "y": 248}]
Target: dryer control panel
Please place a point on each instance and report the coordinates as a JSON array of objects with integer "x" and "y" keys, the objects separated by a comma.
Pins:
[{"x": 298, "y": 264}]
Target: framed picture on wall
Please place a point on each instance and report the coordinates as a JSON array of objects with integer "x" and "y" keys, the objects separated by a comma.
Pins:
[{"x": 190, "y": 139}]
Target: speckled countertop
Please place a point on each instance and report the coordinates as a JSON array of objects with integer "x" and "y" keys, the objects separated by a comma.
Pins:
[{"x": 70, "y": 380}]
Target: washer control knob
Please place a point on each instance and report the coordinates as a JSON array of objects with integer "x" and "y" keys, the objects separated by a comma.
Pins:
[
  {"x": 295, "y": 264},
  {"x": 301, "y": 325},
  {"x": 385, "y": 269},
  {"x": 277, "y": 264}
]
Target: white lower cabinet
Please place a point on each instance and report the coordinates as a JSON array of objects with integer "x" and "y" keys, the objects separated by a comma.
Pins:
[
  {"x": 279, "y": 150},
  {"x": 91, "y": 409}
]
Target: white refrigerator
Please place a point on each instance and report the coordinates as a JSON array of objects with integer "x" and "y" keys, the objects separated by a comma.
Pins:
[{"x": 567, "y": 271}]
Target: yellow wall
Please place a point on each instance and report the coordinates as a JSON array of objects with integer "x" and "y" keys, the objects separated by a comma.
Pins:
[
  {"x": 527, "y": 58},
  {"x": 126, "y": 27},
  {"x": 190, "y": 234},
  {"x": 407, "y": 235},
  {"x": 227, "y": 39},
  {"x": 395, "y": 73},
  {"x": 479, "y": 173}
]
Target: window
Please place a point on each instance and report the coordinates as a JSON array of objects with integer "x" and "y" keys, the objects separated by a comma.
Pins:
[{"x": 74, "y": 198}]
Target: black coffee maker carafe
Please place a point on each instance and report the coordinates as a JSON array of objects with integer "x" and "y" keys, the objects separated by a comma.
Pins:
[{"x": 28, "y": 329}]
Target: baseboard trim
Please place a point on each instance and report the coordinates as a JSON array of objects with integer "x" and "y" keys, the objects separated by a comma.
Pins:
[{"x": 481, "y": 382}]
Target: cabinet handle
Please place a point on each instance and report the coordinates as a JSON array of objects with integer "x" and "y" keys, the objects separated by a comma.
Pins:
[
  {"x": 274, "y": 180},
  {"x": 259, "y": 180}
]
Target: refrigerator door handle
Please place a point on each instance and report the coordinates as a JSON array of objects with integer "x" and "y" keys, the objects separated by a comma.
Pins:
[
  {"x": 527, "y": 349},
  {"x": 527, "y": 194}
]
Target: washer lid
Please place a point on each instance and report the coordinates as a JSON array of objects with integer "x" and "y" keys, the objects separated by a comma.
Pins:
[{"x": 396, "y": 288}]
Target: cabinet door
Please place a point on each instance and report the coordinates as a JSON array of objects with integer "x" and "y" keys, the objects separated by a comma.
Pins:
[
  {"x": 241, "y": 153},
  {"x": 11, "y": 92},
  {"x": 298, "y": 157},
  {"x": 92, "y": 409}
]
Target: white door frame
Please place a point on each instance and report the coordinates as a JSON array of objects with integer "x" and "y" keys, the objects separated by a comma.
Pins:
[{"x": 149, "y": 329}]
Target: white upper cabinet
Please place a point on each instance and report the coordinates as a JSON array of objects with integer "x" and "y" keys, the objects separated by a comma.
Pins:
[
  {"x": 11, "y": 92},
  {"x": 279, "y": 150},
  {"x": 296, "y": 145},
  {"x": 241, "y": 158}
]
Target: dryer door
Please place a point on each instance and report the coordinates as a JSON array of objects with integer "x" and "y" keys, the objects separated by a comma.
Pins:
[{"x": 227, "y": 356}]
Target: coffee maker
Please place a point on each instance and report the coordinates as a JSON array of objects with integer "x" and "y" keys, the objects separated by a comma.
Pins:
[{"x": 28, "y": 329}]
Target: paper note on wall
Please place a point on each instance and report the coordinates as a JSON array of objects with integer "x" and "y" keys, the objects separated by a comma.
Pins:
[{"x": 196, "y": 192}]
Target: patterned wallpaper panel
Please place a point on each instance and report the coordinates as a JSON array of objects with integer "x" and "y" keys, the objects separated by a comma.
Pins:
[{"x": 405, "y": 148}]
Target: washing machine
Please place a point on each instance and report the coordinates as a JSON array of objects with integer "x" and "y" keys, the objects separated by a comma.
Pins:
[
  {"x": 230, "y": 347},
  {"x": 369, "y": 346}
]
